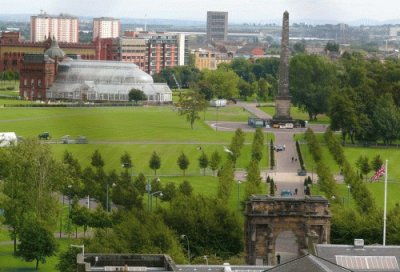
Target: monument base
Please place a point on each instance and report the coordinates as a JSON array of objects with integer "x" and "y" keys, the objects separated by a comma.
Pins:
[{"x": 282, "y": 109}]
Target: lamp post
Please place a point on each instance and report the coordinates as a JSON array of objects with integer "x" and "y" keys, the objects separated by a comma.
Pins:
[
  {"x": 82, "y": 247},
  {"x": 348, "y": 193},
  {"x": 151, "y": 198},
  {"x": 107, "y": 200},
  {"x": 150, "y": 194},
  {"x": 216, "y": 123},
  {"x": 183, "y": 236},
  {"x": 69, "y": 205},
  {"x": 148, "y": 190}
]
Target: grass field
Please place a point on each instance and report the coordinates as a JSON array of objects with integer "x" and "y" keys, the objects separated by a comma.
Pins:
[
  {"x": 352, "y": 154},
  {"x": 141, "y": 154},
  {"x": 10, "y": 263},
  {"x": 296, "y": 113}
]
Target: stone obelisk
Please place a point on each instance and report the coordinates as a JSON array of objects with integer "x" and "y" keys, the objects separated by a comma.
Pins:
[{"x": 282, "y": 102}]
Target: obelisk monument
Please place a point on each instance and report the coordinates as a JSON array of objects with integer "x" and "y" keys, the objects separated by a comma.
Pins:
[{"x": 282, "y": 102}]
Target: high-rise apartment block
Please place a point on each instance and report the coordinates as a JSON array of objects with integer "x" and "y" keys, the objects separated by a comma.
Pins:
[
  {"x": 217, "y": 26},
  {"x": 105, "y": 27},
  {"x": 153, "y": 51},
  {"x": 64, "y": 28}
]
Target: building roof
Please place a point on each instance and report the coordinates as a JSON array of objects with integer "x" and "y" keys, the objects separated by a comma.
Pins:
[
  {"x": 107, "y": 72},
  {"x": 362, "y": 258},
  {"x": 308, "y": 263},
  {"x": 105, "y": 79},
  {"x": 55, "y": 51}
]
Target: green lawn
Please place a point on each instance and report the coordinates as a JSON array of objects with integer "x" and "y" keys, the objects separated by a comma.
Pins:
[
  {"x": 141, "y": 154},
  {"x": 109, "y": 124},
  {"x": 296, "y": 113},
  {"x": 10, "y": 263}
]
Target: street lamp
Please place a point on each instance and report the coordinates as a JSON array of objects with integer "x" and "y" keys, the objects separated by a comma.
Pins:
[
  {"x": 82, "y": 247},
  {"x": 148, "y": 190},
  {"x": 107, "y": 202},
  {"x": 183, "y": 236},
  {"x": 348, "y": 193},
  {"x": 151, "y": 198},
  {"x": 149, "y": 194}
]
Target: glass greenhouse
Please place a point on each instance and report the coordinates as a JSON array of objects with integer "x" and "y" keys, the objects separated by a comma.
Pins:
[{"x": 104, "y": 81}]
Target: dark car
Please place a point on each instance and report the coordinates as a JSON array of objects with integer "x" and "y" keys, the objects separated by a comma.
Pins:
[
  {"x": 81, "y": 140},
  {"x": 44, "y": 136}
]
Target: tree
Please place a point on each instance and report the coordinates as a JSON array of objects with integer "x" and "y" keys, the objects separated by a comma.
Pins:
[
  {"x": 236, "y": 145},
  {"x": 312, "y": 80},
  {"x": 215, "y": 160},
  {"x": 97, "y": 160},
  {"x": 263, "y": 89},
  {"x": 299, "y": 47},
  {"x": 36, "y": 242},
  {"x": 386, "y": 118},
  {"x": 332, "y": 47},
  {"x": 185, "y": 188},
  {"x": 203, "y": 162},
  {"x": 126, "y": 161},
  {"x": 363, "y": 165},
  {"x": 125, "y": 194},
  {"x": 253, "y": 179},
  {"x": 136, "y": 95},
  {"x": 67, "y": 260},
  {"x": 190, "y": 104},
  {"x": 376, "y": 163},
  {"x": 31, "y": 177},
  {"x": 343, "y": 115},
  {"x": 183, "y": 162},
  {"x": 258, "y": 145},
  {"x": 155, "y": 162},
  {"x": 221, "y": 83},
  {"x": 225, "y": 181},
  {"x": 169, "y": 191}
]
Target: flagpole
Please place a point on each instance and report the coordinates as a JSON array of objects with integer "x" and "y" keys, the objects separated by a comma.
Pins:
[{"x": 384, "y": 204}]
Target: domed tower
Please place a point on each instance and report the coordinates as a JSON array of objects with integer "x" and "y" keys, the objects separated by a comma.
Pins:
[{"x": 55, "y": 52}]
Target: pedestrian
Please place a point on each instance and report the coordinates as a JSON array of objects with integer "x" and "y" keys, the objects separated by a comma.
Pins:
[
  {"x": 292, "y": 159},
  {"x": 295, "y": 191},
  {"x": 278, "y": 258},
  {"x": 295, "y": 160}
]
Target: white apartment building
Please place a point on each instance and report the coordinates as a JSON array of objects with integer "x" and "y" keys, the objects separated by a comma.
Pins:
[
  {"x": 64, "y": 28},
  {"x": 105, "y": 27}
]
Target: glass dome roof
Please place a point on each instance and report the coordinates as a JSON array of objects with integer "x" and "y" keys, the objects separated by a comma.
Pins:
[{"x": 106, "y": 72}]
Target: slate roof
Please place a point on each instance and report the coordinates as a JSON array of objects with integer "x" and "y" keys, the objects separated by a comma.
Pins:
[
  {"x": 331, "y": 252},
  {"x": 308, "y": 263}
]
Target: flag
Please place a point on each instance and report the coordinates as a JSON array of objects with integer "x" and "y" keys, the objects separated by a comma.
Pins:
[{"x": 378, "y": 173}]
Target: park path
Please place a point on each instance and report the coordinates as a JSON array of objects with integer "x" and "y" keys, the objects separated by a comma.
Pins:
[
  {"x": 285, "y": 173},
  {"x": 252, "y": 108}
]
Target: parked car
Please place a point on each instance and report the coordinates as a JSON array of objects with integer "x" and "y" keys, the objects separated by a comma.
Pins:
[
  {"x": 286, "y": 192},
  {"x": 44, "y": 136},
  {"x": 81, "y": 140},
  {"x": 280, "y": 148},
  {"x": 66, "y": 139}
]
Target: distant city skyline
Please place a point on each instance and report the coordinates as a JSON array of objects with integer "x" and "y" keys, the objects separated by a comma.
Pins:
[{"x": 254, "y": 11}]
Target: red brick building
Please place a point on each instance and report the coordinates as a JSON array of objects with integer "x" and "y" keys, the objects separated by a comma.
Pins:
[{"x": 13, "y": 49}]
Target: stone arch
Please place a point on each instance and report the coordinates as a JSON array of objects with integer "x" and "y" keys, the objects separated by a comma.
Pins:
[{"x": 267, "y": 217}]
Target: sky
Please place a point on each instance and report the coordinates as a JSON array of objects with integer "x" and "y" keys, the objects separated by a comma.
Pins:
[{"x": 255, "y": 11}]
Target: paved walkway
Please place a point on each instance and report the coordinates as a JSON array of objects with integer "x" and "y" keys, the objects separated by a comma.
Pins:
[{"x": 252, "y": 108}]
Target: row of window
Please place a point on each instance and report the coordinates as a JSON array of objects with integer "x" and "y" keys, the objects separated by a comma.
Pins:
[{"x": 39, "y": 82}]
